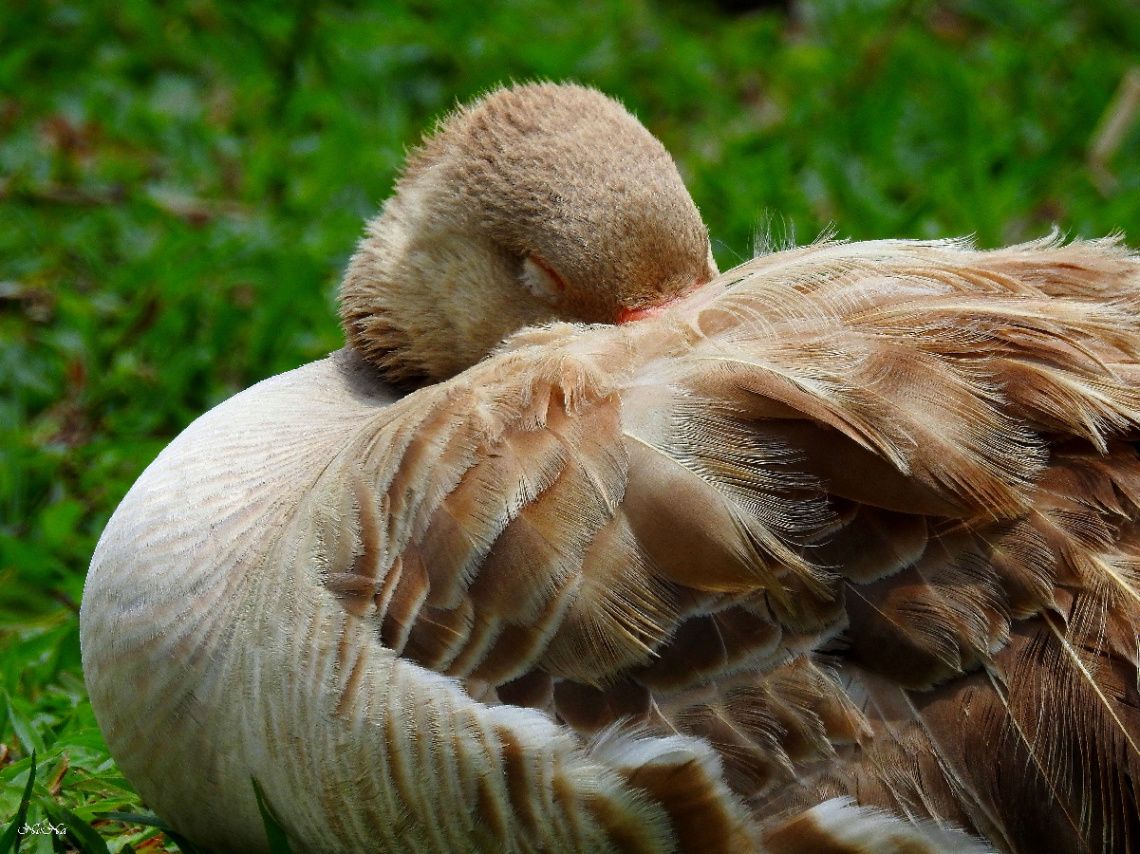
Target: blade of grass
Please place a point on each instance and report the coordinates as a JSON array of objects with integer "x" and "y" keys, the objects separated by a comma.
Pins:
[
  {"x": 23, "y": 728},
  {"x": 151, "y": 820},
  {"x": 10, "y": 841},
  {"x": 184, "y": 845},
  {"x": 145, "y": 819},
  {"x": 82, "y": 835},
  {"x": 278, "y": 839}
]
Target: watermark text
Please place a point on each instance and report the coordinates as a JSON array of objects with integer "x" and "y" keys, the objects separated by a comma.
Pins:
[{"x": 41, "y": 828}]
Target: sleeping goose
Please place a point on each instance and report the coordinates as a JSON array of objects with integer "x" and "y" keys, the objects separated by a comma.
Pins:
[{"x": 837, "y": 551}]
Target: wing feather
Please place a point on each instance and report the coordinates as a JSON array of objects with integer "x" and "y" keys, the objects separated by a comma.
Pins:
[
  {"x": 898, "y": 454},
  {"x": 855, "y": 527}
]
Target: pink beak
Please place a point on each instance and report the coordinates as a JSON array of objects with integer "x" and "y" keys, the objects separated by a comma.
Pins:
[{"x": 628, "y": 315}]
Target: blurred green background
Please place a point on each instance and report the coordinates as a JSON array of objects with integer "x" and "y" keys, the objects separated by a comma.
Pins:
[{"x": 181, "y": 184}]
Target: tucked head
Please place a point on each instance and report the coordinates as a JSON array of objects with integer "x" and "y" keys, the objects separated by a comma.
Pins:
[{"x": 537, "y": 203}]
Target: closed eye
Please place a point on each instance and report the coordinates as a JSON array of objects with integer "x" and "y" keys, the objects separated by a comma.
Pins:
[{"x": 542, "y": 280}]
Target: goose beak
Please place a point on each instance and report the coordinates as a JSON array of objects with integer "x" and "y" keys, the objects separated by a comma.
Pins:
[{"x": 628, "y": 315}]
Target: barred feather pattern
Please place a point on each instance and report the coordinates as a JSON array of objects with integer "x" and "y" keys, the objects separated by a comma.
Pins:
[{"x": 841, "y": 553}]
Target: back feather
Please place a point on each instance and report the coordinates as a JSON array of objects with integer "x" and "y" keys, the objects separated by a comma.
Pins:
[
  {"x": 841, "y": 553},
  {"x": 899, "y": 460}
]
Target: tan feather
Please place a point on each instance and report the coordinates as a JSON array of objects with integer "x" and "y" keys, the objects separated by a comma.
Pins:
[{"x": 839, "y": 552}]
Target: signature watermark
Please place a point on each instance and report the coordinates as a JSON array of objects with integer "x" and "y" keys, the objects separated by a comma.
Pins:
[{"x": 41, "y": 828}]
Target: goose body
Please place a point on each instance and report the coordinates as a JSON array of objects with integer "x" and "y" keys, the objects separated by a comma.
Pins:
[{"x": 840, "y": 548}]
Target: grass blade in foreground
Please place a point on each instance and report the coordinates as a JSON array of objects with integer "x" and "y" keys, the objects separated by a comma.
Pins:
[
  {"x": 11, "y": 839},
  {"x": 82, "y": 835},
  {"x": 278, "y": 840}
]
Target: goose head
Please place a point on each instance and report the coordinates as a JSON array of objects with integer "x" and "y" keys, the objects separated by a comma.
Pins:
[{"x": 535, "y": 204}]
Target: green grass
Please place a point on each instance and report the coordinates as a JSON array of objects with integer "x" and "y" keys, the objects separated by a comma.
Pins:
[{"x": 182, "y": 183}]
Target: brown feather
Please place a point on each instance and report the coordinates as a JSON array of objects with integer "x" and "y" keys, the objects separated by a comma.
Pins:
[
  {"x": 852, "y": 528},
  {"x": 912, "y": 442}
]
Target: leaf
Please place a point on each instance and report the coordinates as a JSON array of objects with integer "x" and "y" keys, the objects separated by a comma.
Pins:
[
  {"x": 184, "y": 844},
  {"x": 145, "y": 819},
  {"x": 10, "y": 841},
  {"x": 152, "y": 820},
  {"x": 23, "y": 728},
  {"x": 278, "y": 839},
  {"x": 82, "y": 835}
]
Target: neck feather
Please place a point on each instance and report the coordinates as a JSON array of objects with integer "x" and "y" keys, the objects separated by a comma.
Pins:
[{"x": 424, "y": 303}]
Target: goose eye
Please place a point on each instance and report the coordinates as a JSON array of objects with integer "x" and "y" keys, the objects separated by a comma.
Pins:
[
  {"x": 542, "y": 280},
  {"x": 630, "y": 314}
]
